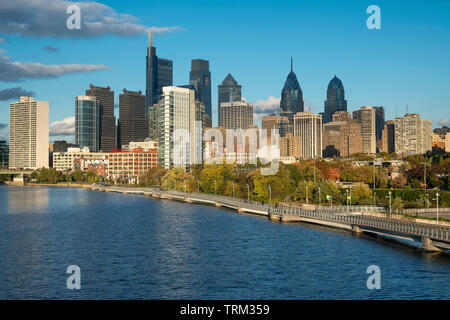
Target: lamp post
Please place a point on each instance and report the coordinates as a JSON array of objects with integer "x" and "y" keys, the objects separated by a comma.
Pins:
[
  {"x": 198, "y": 185},
  {"x": 374, "y": 155},
  {"x": 350, "y": 195},
  {"x": 184, "y": 185},
  {"x": 233, "y": 188},
  {"x": 390, "y": 203},
  {"x": 437, "y": 206},
  {"x": 248, "y": 193},
  {"x": 215, "y": 187},
  {"x": 346, "y": 191},
  {"x": 306, "y": 194},
  {"x": 374, "y": 198},
  {"x": 270, "y": 194},
  {"x": 319, "y": 195},
  {"x": 428, "y": 200},
  {"x": 314, "y": 159}
]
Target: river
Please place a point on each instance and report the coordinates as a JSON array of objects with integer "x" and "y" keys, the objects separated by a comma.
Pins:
[{"x": 135, "y": 247}]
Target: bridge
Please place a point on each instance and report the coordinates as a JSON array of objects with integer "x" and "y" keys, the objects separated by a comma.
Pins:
[
  {"x": 432, "y": 235},
  {"x": 17, "y": 174}
]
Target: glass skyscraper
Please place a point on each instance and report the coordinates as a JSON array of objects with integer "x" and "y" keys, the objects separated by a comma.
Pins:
[
  {"x": 200, "y": 78},
  {"x": 291, "y": 96},
  {"x": 335, "y": 99},
  {"x": 229, "y": 91},
  {"x": 87, "y": 123}
]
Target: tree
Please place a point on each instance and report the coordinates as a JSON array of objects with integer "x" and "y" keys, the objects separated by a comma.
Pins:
[
  {"x": 399, "y": 181},
  {"x": 362, "y": 195},
  {"x": 397, "y": 204}
]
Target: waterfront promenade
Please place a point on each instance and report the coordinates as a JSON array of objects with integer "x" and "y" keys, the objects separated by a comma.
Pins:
[{"x": 432, "y": 235}]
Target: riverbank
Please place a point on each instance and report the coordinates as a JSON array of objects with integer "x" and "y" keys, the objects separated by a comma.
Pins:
[{"x": 71, "y": 185}]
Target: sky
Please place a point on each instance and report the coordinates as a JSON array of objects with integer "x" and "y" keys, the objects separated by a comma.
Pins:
[{"x": 404, "y": 63}]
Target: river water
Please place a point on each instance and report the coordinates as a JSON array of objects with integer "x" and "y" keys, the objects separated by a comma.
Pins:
[{"x": 134, "y": 247}]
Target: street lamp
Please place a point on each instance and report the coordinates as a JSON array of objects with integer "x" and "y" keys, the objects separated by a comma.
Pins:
[
  {"x": 428, "y": 200},
  {"x": 270, "y": 194},
  {"x": 184, "y": 185},
  {"x": 233, "y": 188},
  {"x": 248, "y": 193},
  {"x": 437, "y": 206},
  {"x": 374, "y": 198},
  {"x": 390, "y": 203},
  {"x": 306, "y": 194},
  {"x": 319, "y": 195},
  {"x": 215, "y": 187},
  {"x": 346, "y": 191},
  {"x": 198, "y": 185}
]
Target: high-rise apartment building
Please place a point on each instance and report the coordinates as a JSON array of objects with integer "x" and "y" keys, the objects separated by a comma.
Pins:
[
  {"x": 133, "y": 125},
  {"x": 335, "y": 99},
  {"x": 180, "y": 128},
  {"x": 229, "y": 91},
  {"x": 4, "y": 154},
  {"x": 366, "y": 116},
  {"x": 236, "y": 115},
  {"x": 388, "y": 137},
  {"x": 280, "y": 123},
  {"x": 342, "y": 136},
  {"x": 412, "y": 135},
  {"x": 291, "y": 96},
  {"x": 87, "y": 122},
  {"x": 290, "y": 146},
  {"x": 108, "y": 130},
  {"x": 308, "y": 126},
  {"x": 28, "y": 134},
  {"x": 200, "y": 78},
  {"x": 159, "y": 73}
]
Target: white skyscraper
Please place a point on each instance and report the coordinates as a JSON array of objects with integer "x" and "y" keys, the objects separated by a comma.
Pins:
[
  {"x": 412, "y": 135},
  {"x": 28, "y": 134},
  {"x": 180, "y": 127},
  {"x": 308, "y": 126},
  {"x": 366, "y": 116}
]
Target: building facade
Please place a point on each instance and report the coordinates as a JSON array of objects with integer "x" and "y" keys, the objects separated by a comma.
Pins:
[
  {"x": 228, "y": 91},
  {"x": 4, "y": 154},
  {"x": 291, "y": 96},
  {"x": 107, "y": 128},
  {"x": 412, "y": 135},
  {"x": 180, "y": 128},
  {"x": 200, "y": 78},
  {"x": 28, "y": 134},
  {"x": 366, "y": 116},
  {"x": 308, "y": 126},
  {"x": 127, "y": 164},
  {"x": 87, "y": 122},
  {"x": 335, "y": 99},
  {"x": 133, "y": 125},
  {"x": 236, "y": 115},
  {"x": 388, "y": 137}
]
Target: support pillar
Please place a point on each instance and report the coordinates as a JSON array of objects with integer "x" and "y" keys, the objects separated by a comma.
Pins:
[{"x": 427, "y": 245}]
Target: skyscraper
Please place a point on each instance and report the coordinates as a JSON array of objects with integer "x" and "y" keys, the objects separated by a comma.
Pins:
[
  {"x": 87, "y": 122},
  {"x": 308, "y": 126},
  {"x": 236, "y": 115},
  {"x": 159, "y": 73},
  {"x": 379, "y": 126},
  {"x": 108, "y": 130},
  {"x": 4, "y": 154},
  {"x": 291, "y": 96},
  {"x": 388, "y": 137},
  {"x": 179, "y": 117},
  {"x": 366, "y": 116},
  {"x": 229, "y": 91},
  {"x": 335, "y": 99},
  {"x": 200, "y": 78},
  {"x": 133, "y": 125},
  {"x": 28, "y": 134},
  {"x": 412, "y": 135}
]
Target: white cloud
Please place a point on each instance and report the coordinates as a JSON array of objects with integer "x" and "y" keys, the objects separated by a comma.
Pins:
[
  {"x": 44, "y": 18},
  {"x": 444, "y": 122},
  {"x": 270, "y": 105},
  {"x": 13, "y": 71},
  {"x": 63, "y": 127}
]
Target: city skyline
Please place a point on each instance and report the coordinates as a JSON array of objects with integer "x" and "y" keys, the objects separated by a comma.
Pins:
[{"x": 361, "y": 68}]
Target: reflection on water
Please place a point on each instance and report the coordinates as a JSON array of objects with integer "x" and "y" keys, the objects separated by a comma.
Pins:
[
  {"x": 27, "y": 199},
  {"x": 130, "y": 247}
]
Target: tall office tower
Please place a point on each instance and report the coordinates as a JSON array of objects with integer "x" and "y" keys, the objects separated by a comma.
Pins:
[
  {"x": 388, "y": 137},
  {"x": 291, "y": 96},
  {"x": 159, "y": 73},
  {"x": 200, "y": 78},
  {"x": 87, "y": 122},
  {"x": 335, "y": 99},
  {"x": 108, "y": 130},
  {"x": 412, "y": 135},
  {"x": 308, "y": 126},
  {"x": 447, "y": 142},
  {"x": 236, "y": 115},
  {"x": 4, "y": 154},
  {"x": 366, "y": 116},
  {"x": 379, "y": 126},
  {"x": 179, "y": 117},
  {"x": 290, "y": 146},
  {"x": 342, "y": 136},
  {"x": 28, "y": 134},
  {"x": 229, "y": 91},
  {"x": 133, "y": 126}
]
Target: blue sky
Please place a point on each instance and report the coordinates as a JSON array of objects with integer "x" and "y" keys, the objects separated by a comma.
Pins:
[{"x": 406, "y": 62}]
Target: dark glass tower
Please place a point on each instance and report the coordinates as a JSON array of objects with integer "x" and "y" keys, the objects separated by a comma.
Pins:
[
  {"x": 335, "y": 99},
  {"x": 133, "y": 126},
  {"x": 159, "y": 74},
  {"x": 229, "y": 91},
  {"x": 200, "y": 78},
  {"x": 291, "y": 96}
]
